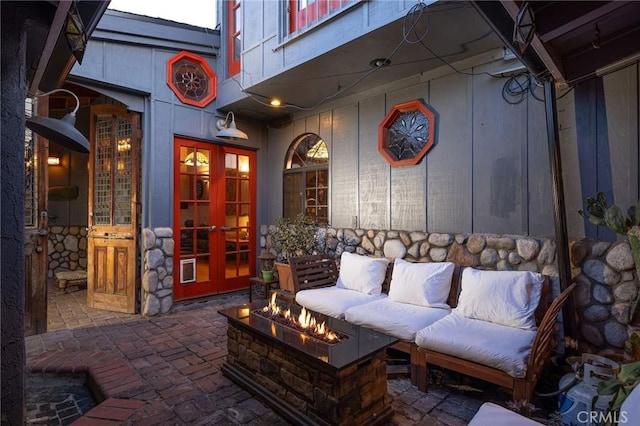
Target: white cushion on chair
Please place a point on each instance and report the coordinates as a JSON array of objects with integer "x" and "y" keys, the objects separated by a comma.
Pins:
[
  {"x": 504, "y": 297},
  {"x": 362, "y": 273},
  {"x": 498, "y": 346},
  {"x": 630, "y": 408},
  {"x": 333, "y": 301},
  {"x": 401, "y": 320},
  {"x": 425, "y": 284},
  {"x": 491, "y": 414}
]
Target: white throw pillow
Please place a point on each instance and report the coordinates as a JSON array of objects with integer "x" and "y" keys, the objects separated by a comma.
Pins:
[
  {"x": 362, "y": 273},
  {"x": 503, "y": 297},
  {"x": 423, "y": 284}
]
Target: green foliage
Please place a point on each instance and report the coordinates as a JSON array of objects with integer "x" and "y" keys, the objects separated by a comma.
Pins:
[
  {"x": 621, "y": 385},
  {"x": 600, "y": 213},
  {"x": 296, "y": 237}
]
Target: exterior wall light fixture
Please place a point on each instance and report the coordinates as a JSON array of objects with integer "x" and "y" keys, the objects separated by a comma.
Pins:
[
  {"x": 228, "y": 130},
  {"x": 61, "y": 131}
]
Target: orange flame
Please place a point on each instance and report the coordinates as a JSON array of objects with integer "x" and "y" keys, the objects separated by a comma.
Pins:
[{"x": 305, "y": 320}]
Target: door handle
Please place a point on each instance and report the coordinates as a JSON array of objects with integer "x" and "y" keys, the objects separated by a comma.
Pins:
[
  {"x": 213, "y": 228},
  {"x": 225, "y": 228}
]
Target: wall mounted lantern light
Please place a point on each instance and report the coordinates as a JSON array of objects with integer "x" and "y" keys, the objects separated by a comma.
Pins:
[
  {"x": 61, "y": 131},
  {"x": 524, "y": 27},
  {"x": 53, "y": 161},
  {"x": 75, "y": 33},
  {"x": 228, "y": 130}
]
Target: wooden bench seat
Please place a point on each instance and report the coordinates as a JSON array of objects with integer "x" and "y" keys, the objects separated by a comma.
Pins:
[{"x": 66, "y": 278}]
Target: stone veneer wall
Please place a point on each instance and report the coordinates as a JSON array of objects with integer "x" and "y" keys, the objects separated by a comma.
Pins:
[
  {"x": 67, "y": 249},
  {"x": 607, "y": 284},
  {"x": 604, "y": 271},
  {"x": 486, "y": 251},
  {"x": 157, "y": 276}
]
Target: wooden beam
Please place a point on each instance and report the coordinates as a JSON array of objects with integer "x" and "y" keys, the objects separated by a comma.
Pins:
[{"x": 52, "y": 38}]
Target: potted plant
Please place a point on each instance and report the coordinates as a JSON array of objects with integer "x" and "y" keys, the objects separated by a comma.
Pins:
[
  {"x": 626, "y": 224},
  {"x": 293, "y": 237}
]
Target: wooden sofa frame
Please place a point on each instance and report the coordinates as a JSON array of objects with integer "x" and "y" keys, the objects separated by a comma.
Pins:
[
  {"x": 317, "y": 271},
  {"x": 521, "y": 388}
]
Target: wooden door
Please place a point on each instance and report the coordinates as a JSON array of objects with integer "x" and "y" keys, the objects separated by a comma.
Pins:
[
  {"x": 36, "y": 230},
  {"x": 112, "y": 282},
  {"x": 214, "y": 218}
]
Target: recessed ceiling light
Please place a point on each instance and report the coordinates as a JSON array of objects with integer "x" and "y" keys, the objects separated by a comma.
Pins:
[
  {"x": 275, "y": 102},
  {"x": 379, "y": 62}
]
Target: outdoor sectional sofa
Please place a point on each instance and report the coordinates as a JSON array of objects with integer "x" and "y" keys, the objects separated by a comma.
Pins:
[{"x": 498, "y": 326}]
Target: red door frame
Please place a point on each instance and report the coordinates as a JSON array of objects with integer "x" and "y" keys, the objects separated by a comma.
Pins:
[{"x": 218, "y": 282}]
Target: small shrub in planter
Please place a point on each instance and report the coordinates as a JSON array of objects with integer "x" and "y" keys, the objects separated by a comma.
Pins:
[{"x": 294, "y": 237}]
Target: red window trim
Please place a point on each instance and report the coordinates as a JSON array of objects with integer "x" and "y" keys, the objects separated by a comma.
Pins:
[
  {"x": 213, "y": 79},
  {"x": 233, "y": 66},
  {"x": 300, "y": 18}
]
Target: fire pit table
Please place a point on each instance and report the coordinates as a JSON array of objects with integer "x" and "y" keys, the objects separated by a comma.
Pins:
[{"x": 305, "y": 379}]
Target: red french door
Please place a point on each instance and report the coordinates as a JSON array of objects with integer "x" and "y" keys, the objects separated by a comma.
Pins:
[{"x": 214, "y": 218}]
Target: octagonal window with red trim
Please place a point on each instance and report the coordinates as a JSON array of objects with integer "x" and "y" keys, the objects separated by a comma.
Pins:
[
  {"x": 192, "y": 79},
  {"x": 407, "y": 133}
]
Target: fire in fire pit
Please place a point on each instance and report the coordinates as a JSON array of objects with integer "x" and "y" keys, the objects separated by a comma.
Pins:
[{"x": 304, "y": 322}]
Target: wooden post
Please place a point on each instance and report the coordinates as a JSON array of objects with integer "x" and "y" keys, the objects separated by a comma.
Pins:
[{"x": 559, "y": 211}]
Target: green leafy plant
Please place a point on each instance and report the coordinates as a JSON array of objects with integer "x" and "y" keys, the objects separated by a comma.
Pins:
[
  {"x": 296, "y": 237},
  {"x": 600, "y": 213},
  {"x": 621, "y": 385}
]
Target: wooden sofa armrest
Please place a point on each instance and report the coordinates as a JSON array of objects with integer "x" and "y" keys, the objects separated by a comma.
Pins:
[
  {"x": 544, "y": 340},
  {"x": 313, "y": 271},
  {"x": 522, "y": 388}
]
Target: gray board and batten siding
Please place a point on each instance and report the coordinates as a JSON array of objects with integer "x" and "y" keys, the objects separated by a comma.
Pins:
[
  {"x": 127, "y": 59},
  {"x": 475, "y": 179},
  {"x": 489, "y": 170}
]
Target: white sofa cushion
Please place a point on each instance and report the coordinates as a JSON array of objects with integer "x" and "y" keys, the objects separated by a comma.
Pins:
[
  {"x": 504, "y": 297},
  {"x": 362, "y": 273},
  {"x": 333, "y": 301},
  {"x": 424, "y": 284},
  {"x": 491, "y": 414},
  {"x": 401, "y": 320},
  {"x": 498, "y": 346}
]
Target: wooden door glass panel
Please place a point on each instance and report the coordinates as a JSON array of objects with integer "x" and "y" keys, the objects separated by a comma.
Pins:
[
  {"x": 237, "y": 217},
  {"x": 113, "y": 151},
  {"x": 202, "y": 269},
  {"x": 102, "y": 184},
  {"x": 124, "y": 173},
  {"x": 194, "y": 205}
]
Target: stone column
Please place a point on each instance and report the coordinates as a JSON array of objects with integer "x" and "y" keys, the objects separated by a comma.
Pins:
[{"x": 12, "y": 273}]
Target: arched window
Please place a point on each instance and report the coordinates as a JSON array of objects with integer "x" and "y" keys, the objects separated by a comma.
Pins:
[{"x": 306, "y": 179}]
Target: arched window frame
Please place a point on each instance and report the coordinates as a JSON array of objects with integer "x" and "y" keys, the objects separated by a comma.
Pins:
[{"x": 306, "y": 179}]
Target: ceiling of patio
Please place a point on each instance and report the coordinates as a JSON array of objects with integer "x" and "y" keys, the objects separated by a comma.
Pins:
[
  {"x": 456, "y": 31},
  {"x": 574, "y": 40}
]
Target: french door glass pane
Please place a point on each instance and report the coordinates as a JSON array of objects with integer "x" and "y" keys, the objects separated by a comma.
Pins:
[{"x": 123, "y": 175}]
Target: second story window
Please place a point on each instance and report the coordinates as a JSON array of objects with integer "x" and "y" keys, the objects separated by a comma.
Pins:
[
  {"x": 306, "y": 179},
  {"x": 234, "y": 37},
  {"x": 304, "y": 13}
]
